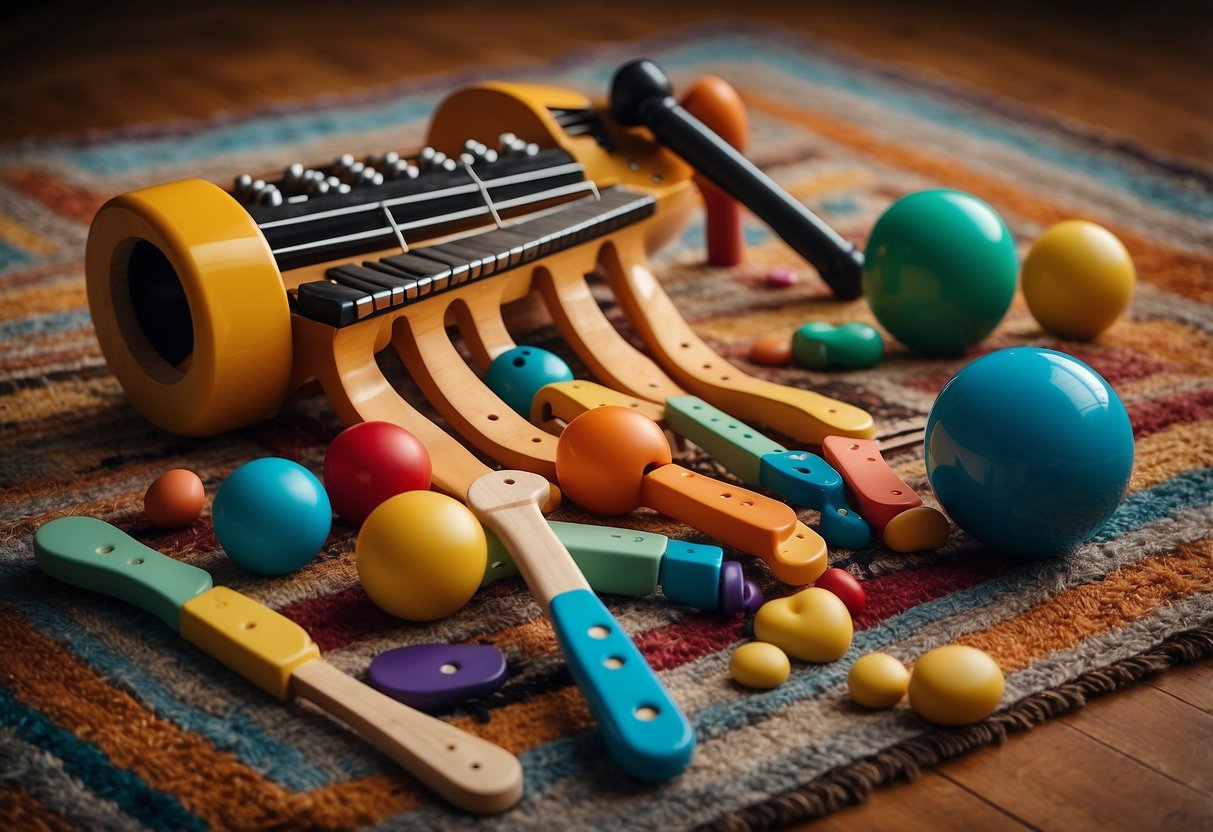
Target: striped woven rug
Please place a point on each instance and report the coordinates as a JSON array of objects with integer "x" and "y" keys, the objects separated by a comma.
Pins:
[{"x": 110, "y": 720}]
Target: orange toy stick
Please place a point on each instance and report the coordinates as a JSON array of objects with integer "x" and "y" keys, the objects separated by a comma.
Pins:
[
  {"x": 713, "y": 101},
  {"x": 612, "y": 459}
]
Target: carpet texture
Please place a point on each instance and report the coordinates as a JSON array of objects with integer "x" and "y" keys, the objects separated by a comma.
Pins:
[{"x": 110, "y": 720}]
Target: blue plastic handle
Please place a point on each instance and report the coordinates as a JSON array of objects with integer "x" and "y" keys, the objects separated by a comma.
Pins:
[
  {"x": 644, "y": 730},
  {"x": 808, "y": 480}
]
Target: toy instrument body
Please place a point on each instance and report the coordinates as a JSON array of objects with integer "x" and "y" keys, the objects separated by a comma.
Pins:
[{"x": 212, "y": 307}]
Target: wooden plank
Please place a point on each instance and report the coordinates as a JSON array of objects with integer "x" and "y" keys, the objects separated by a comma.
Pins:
[
  {"x": 1065, "y": 780},
  {"x": 1155, "y": 728},
  {"x": 928, "y": 802},
  {"x": 1191, "y": 683}
]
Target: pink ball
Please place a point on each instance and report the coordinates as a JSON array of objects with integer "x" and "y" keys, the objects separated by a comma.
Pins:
[{"x": 368, "y": 463}]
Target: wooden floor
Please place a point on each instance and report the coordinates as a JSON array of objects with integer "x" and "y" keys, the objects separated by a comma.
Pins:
[{"x": 1141, "y": 759}]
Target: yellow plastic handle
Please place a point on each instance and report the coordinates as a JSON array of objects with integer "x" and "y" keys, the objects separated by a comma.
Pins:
[{"x": 260, "y": 644}]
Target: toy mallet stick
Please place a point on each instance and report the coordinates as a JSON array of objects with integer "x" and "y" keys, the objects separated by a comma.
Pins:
[
  {"x": 277, "y": 655},
  {"x": 640, "y": 95},
  {"x": 643, "y": 729}
]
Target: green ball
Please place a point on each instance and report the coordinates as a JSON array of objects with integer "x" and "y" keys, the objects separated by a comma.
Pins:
[{"x": 940, "y": 270}]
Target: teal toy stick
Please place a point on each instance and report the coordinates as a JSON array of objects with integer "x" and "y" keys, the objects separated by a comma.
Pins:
[
  {"x": 620, "y": 561},
  {"x": 643, "y": 728}
]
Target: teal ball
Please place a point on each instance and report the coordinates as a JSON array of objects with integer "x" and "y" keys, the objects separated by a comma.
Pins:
[
  {"x": 940, "y": 270},
  {"x": 272, "y": 516},
  {"x": 516, "y": 375},
  {"x": 1029, "y": 451}
]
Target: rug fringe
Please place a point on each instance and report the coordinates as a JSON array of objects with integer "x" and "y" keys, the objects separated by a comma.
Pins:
[{"x": 852, "y": 784}]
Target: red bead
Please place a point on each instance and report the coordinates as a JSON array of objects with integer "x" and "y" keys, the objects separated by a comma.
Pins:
[{"x": 843, "y": 584}]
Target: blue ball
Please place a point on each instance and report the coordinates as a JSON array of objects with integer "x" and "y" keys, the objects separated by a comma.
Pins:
[
  {"x": 1029, "y": 451},
  {"x": 272, "y": 516},
  {"x": 517, "y": 375}
]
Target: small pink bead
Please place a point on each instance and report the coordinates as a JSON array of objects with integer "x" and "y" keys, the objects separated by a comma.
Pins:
[{"x": 782, "y": 277}]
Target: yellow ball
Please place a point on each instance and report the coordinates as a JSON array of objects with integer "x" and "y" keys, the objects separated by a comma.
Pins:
[
  {"x": 878, "y": 680},
  {"x": 421, "y": 555},
  {"x": 760, "y": 665},
  {"x": 1077, "y": 279},
  {"x": 955, "y": 685}
]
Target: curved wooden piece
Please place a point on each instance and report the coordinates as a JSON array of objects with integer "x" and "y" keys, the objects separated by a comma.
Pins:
[
  {"x": 804, "y": 415},
  {"x": 610, "y": 357},
  {"x": 465, "y": 402},
  {"x": 343, "y": 361}
]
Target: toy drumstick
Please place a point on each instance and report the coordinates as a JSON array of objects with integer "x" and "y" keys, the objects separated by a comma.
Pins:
[
  {"x": 277, "y": 655},
  {"x": 612, "y": 459},
  {"x": 640, "y": 95},
  {"x": 644, "y": 730}
]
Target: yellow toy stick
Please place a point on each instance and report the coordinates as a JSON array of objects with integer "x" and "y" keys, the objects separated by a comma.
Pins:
[{"x": 277, "y": 655}]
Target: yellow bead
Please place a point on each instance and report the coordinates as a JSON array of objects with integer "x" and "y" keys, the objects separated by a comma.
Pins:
[
  {"x": 955, "y": 685},
  {"x": 760, "y": 665},
  {"x": 813, "y": 625},
  {"x": 1077, "y": 279},
  {"x": 919, "y": 529},
  {"x": 878, "y": 680},
  {"x": 421, "y": 555}
]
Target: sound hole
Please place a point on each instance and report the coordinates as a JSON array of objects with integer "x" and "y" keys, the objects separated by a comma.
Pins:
[{"x": 159, "y": 303}]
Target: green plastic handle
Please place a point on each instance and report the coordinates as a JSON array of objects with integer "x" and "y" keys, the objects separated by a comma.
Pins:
[{"x": 92, "y": 554}]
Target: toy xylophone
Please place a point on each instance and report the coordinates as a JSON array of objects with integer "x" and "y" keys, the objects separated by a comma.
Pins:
[{"x": 212, "y": 306}]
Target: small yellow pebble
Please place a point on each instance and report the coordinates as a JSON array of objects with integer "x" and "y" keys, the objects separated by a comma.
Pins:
[
  {"x": 812, "y": 625},
  {"x": 760, "y": 665},
  {"x": 955, "y": 685},
  {"x": 919, "y": 529},
  {"x": 878, "y": 680}
]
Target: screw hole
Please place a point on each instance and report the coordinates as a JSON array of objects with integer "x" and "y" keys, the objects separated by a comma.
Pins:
[
  {"x": 137, "y": 562},
  {"x": 449, "y": 669},
  {"x": 104, "y": 550},
  {"x": 509, "y": 482},
  {"x": 493, "y": 417},
  {"x": 612, "y": 663},
  {"x": 645, "y": 713},
  {"x": 598, "y": 632}
]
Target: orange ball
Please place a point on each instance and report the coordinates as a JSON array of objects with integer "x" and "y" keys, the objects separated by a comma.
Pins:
[
  {"x": 175, "y": 499},
  {"x": 603, "y": 455},
  {"x": 772, "y": 351}
]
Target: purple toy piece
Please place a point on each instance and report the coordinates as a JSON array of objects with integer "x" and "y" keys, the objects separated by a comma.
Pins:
[
  {"x": 732, "y": 588},
  {"x": 431, "y": 677},
  {"x": 751, "y": 598}
]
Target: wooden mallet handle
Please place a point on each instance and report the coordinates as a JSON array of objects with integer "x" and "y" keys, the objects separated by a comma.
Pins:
[{"x": 641, "y": 95}]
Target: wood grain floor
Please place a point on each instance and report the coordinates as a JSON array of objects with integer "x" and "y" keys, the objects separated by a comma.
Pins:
[{"x": 1141, "y": 759}]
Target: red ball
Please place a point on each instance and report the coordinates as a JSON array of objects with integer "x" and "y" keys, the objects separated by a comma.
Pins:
[
  {"x": 843, "y": 584},
  {"x": 370, "y": 462}
]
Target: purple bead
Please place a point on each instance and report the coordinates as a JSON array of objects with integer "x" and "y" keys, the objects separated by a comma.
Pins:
[
  {"x": 732, "y": 588},
  {"x": 751, "y": 598},
  {"x": 431, "y": 677}
]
